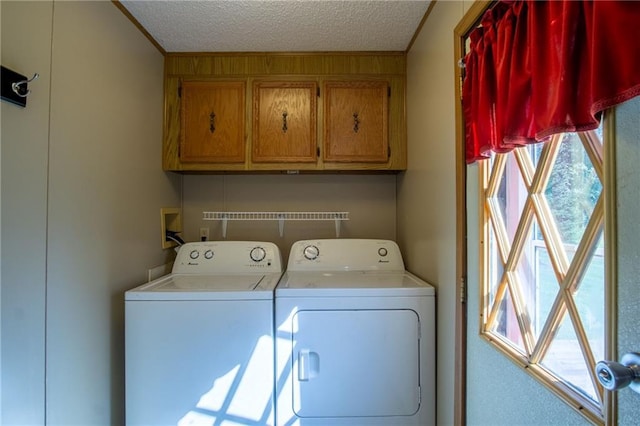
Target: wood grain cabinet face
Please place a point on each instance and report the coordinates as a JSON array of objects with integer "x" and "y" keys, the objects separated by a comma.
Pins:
[
  {"x": 356, "y": 121},
  {"x": 213, "y": 122},
  {"x": 284, "y": 122}
]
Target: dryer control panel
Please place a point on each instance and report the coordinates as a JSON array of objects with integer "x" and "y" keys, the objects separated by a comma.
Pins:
[
  {"x": 216, "y": 257},
  {"x": 345, "y": 255}
]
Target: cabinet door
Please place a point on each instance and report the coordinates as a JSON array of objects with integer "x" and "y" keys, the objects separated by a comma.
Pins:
[
  {"x": 284, "y": 121},
  {"x": 356, "y": 121},
  {"x": 213, "y": 126}
]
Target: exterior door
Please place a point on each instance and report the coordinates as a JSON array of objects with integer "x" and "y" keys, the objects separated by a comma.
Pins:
[
  {"x": 628, "y": 296},
  {"x": 498, "y": 391}
]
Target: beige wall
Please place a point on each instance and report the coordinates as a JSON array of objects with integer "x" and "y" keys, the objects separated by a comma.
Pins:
[
  {"x": 26, "y": 48},
  {"x": 426, "y": 191},
  {"x": 82, "y": 187},
  {"x": 369, "y": 199},
  {"x": 0, "y": 249}
]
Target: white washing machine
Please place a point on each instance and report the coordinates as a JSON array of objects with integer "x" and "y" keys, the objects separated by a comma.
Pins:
[
  {"x": 355, "y": 338},
  {"x": 199, "y": 341}
]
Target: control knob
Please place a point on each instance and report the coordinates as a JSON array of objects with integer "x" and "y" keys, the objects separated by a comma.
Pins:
[
  {"x": 194, "y": 254},
  {"x": 208, "y": 254},
  {"x": 311, "y": 252},
  {"x": 257, "y": 254}
]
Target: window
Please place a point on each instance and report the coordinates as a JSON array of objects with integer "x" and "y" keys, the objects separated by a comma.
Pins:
[{"x": 544, "y": 277}]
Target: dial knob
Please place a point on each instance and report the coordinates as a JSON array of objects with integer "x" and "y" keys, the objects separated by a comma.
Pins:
[
  {"x": 311, "y": 252},
  {"x": 194, "y": 254},
  {"x": 208, "y": 254},
  {"x": 257, "y": 254},
  {"x": 382, "y": 251}
]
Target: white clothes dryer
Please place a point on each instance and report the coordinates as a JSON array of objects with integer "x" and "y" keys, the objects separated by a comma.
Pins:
[
  {"x": 355, "y": 338},
  {"x": 199, "y": 341}
]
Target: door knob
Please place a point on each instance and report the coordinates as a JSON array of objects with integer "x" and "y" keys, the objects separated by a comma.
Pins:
[{"x": 614, "y": 376}]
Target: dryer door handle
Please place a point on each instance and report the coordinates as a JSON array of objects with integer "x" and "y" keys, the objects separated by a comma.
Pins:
[{"x": 308, "y": 365}]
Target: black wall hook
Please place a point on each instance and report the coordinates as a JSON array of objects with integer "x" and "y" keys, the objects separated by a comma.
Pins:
[{"x": 15, "y": 86}]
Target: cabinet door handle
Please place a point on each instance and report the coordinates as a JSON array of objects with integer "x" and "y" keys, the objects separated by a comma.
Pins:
[
  {"x": 284, "y": 122},
  {"x": 356, "y": 122},
  {"x": 212, "y": 122}
]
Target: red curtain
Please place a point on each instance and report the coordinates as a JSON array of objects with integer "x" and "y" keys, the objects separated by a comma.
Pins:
[{"x": 536, "y": 68}]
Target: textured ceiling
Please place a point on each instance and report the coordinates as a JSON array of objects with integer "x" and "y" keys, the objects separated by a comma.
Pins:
[{"x": 279, "y": 26}]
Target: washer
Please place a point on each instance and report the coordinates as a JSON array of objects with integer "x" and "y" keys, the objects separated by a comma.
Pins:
[
  {"x": 354, "y": 337},
  {"x": 199, "y": 341}
]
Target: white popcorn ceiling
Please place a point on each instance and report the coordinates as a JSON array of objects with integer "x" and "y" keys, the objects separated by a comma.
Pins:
[{"x": 279, "y": 26}]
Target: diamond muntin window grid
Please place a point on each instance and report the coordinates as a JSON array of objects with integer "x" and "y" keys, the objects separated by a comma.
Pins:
[{"x": 543, "y": 293}]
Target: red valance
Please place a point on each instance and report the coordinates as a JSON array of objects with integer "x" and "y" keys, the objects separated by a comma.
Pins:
[{"x": 536, "y": 68}]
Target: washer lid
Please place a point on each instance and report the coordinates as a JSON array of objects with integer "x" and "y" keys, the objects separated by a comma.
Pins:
[
  {"x": 352, "y": 284},
  {"x": 206, "y": 287}
]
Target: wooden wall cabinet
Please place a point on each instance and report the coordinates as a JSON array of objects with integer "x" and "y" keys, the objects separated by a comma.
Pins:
[
  {"x": 284, "y": 122},
  {"x": 356, "y": 116},
  {"x": 212, "y": 122},
  {"x": 259, "y": 112}
]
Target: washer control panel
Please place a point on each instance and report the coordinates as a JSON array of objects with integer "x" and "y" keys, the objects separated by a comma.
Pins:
[
  {"x": 345, "y": 255},
  {"x": 220, "y": 257}
]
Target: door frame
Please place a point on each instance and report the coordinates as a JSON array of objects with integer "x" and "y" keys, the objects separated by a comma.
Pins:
[{"x": 466, "y": 24}]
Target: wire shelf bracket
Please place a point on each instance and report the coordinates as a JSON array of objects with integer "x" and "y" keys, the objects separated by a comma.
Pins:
[{"x": 281, "y": 217}]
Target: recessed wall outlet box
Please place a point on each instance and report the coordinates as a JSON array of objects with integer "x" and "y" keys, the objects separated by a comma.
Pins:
[
  {"x": 170, "y": 220},
  {"x": 204, "y": 234}
]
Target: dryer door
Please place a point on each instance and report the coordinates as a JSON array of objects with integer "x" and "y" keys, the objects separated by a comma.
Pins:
[{"x": 354, "y": 363}]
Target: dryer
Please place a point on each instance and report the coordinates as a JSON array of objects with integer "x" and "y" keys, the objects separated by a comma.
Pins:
[
  {"x": 355, "y": 338},
  {"x": 199, "y": 341}
]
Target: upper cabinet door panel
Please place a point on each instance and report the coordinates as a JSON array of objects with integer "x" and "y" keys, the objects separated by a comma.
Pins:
[
  {"x": 213, "y": 122},
  {"x": 284, "y": 121},
  {"x": 356, "y": 115}
]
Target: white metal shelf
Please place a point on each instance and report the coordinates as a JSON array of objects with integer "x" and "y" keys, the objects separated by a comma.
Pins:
[{"x": 281, "y": 217}]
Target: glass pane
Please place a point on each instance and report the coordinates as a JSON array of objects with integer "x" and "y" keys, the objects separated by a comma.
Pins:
[
  {"x": 507, "y": 322},
  {"x": 572, "y": 191},
  {"x": 547, "y": 287},
  {"x": 534, "y": 152},
  {"x": 537, "y": 279},
  {"x": 525, "y": 270},
  {"x": 512, "y": 195},
  {"x": 589, "y": 301},
  {"x": 496, "y": 267},
  {"x": 598, "y": 132},
  {"x": 564, "y": 358}
]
